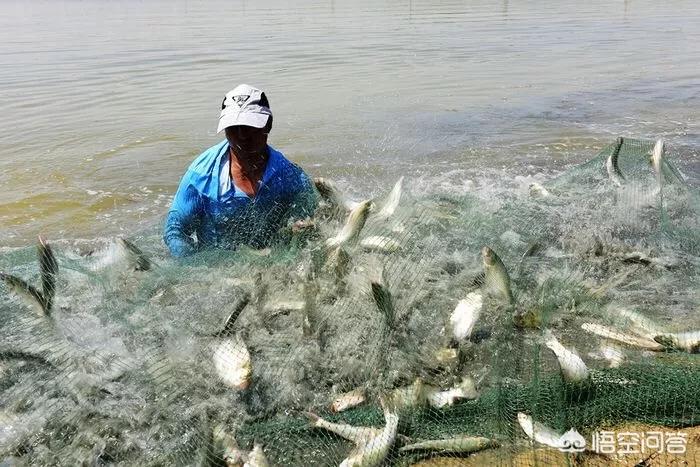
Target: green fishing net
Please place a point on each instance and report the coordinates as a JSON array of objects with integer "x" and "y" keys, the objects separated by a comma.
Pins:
[{"x": 125, "y": 371}]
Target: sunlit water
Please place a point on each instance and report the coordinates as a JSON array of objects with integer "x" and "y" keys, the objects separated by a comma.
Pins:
[{"x": 104, "y": 104}]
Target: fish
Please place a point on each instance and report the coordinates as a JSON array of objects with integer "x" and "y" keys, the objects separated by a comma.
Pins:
[
  {"x": 437, "y": 398},
  {"x": 657, "y": 156},
  {"x": 329, "y": 192},
  {"x": 611, "y": 164},
  {"x": 380, "y": 244},
  {"x": 392, "y": 201},
  {"x": 383, "y": 299},
  {"x": 124, "y": 253},
  {"x": 256, "y": 457},
  {"x": 446, "y": 356},
  {"x": 232, "y": 363},
  {"x": 458, "y": 444},
  {"x": 572, "y": 366},
  {"x": 624, "y": 338},
  {"x": 229, "y": 324},
  {"x": 310, "y": 317},
  {"x": 407, "y": 397},
  {"x": 636, "y": 322},
  {"x": 357, "y": 434},
  {"x": 39, "y": 301},
  {"x": 26, "y": 292},
  {"x": 538, "y": 432},
  {"x": 496, "y": 277},
  {"x": 226, "y": 444},
  {"x": 353, "y": 225},
  {"x": 260, "y": 292},
  {"x": 348, "y": 400},
  {"x": 339, "y": 259},
  {"x": 612, "y": 354},
  {"x": 538, "y": 191},
  {"x": 48, "y": 266},
  {"x": 465, "y": 316},
  {"x": 373, "y": 452},
  {"x": 687, "y": 341},
  {"x": 274, "y": 309},
  {"x": 137, "y": 258}
]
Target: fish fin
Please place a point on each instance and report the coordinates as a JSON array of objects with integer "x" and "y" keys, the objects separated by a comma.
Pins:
[
  {"x": 313, "y": 418},
  {"x": 49, "y": 270},
  {"x": 228, "y": 328},
  {"x": 141, "y": 261},
  {"x": 30, "y": 295},
  {"x": 479, "y": 280}
]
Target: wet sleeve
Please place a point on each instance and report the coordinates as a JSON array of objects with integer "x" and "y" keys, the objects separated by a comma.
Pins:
[{"x": 183, "y": 218}]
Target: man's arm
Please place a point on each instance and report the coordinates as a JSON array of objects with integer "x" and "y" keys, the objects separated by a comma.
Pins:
[{"x": 183, "y": 218}]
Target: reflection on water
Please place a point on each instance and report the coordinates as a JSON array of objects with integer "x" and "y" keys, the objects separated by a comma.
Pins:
[{"x": 118, "y": 97}]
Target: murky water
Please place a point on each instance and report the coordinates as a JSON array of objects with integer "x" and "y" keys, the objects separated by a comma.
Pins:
[{"x": 104, "y": 104}]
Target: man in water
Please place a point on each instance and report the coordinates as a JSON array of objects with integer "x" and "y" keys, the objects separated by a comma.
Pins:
[{"x": 240, "y": 191}]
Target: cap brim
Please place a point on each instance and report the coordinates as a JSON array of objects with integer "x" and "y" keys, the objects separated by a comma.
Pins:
[{"x": 256, "y": 120}]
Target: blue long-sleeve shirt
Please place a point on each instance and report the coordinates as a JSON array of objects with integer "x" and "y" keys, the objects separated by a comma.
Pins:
[{"x": 209, "y": 205}]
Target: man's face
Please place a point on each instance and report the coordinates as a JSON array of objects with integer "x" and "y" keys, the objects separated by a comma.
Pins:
[{"x": 247, "y": 140}]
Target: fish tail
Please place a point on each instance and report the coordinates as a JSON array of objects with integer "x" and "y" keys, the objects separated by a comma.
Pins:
[
  {"x": 49, "y": 270},
  {"x": 314, "y": 419}
]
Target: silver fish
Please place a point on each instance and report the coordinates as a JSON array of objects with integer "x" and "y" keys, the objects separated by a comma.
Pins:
[
  {"x": 465, "y": 316},
  {"x": 348, "y": 400},
  {"x": 374, "y": 451},
  {"x": 538, "y": 432},
  {"x": 407, "y": 397},
  {"x": 232, "y": 363},
  {"x": 572, "y": 366},
  {"x": 437, "y": 398},
  {"x": 636, "y": 322},
  {"x": 256, "y": 457},
  {"x": 496, "y": 276},
  {"x": 624, "y": 338},
  {"x": 138, "y": 258},
  {"x": 329, "y": 192},
  {"x": 657, "y": 160},
  {"x": 380, "y": 244},
  {"x": 458, "y": 444},
  {"x": 392, "y": 201},
  {"x": 49, "y": 270},
  {"x": 357, "y": 434},
  {"x": 687, "y": 341},
  {"x": 383, "y": 299},
  {"x": 310, "y": 319},
  {"x": 611, "y": 164},
  {"x": 353, "y": 225},
  {"x": 28, "y": 293},
  {"x": 226, "y": 444},
  {"x": 121, "y": 252},
  {"x": 230, "y": 323}
]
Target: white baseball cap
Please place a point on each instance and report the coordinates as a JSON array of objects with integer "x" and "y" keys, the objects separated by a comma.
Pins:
[{"x": 244, "y": 105}]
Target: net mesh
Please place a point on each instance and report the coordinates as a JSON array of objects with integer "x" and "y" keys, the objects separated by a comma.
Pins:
[{"x": 233, "y": 356}]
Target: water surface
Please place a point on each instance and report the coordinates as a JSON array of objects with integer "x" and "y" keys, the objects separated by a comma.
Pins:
[{"x": 106, "y": 103}]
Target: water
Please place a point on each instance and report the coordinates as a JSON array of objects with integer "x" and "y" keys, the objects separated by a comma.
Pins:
[{"x": 106, "y": 103}]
